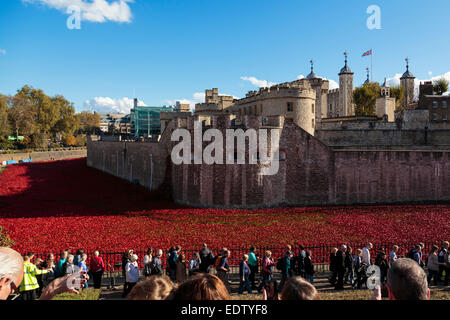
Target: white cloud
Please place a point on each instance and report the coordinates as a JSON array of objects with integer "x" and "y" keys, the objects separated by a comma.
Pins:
[
  {"x": 299, "y": 77},
  {"x": 333, "y": 84},
  {"x": 2, "y": 51},
  {"x": 106, "y": 104},
  {"x": 94, "y": 11},
  {"x": 258, "y": 83}
]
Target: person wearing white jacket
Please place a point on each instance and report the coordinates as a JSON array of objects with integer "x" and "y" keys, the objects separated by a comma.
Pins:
[
  {"x": 131, "y": 274},
  {"x": 366, "y": 254}
]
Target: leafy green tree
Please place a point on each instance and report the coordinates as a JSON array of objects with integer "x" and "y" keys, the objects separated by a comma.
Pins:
[
  {"x": 67, "y": 122},
  {"x": 89, "y": 122},
  {"x": 81, "y": 140},
  {"x": 46, "y": 114},
  {"x": 21, "y": 116},
  {"x": 5, "y": 129},
  {"x": 398, "y": 92},
  {"x": 440, "y": 86},
  {"x": 364, "y": 98}
]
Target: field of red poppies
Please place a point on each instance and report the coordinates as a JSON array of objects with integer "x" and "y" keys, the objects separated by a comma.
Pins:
[{"x": 64, "y": 204}]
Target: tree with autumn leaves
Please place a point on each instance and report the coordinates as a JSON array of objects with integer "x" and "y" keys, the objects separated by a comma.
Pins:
[
  {"x": 42, "y": 119},
  {"x": 365, "y": 98}
]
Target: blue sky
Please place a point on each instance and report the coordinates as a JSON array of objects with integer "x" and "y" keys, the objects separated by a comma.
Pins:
[{"x": 168, "y": 50}]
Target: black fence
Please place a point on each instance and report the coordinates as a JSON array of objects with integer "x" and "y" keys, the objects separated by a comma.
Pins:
[{"x": 320, "y": 255}]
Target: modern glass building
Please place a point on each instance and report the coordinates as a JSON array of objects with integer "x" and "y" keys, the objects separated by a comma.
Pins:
[{"x": 145, "y": 121}]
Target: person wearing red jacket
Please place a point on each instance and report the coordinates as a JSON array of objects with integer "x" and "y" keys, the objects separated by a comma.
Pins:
[
  {"x": 267, "y": 270},
  {"x": 97, "y": 267}
]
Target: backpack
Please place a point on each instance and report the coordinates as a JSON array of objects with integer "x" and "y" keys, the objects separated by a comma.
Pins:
[
  {"x": 154, "y": 268},
  {"x": 280, "y": 264},
  {"x": 148, "y": 269},
  {"x": 217, "y": 261},
  {"x": 411, "y": 254},
  {"x": 300, "y": 263}
]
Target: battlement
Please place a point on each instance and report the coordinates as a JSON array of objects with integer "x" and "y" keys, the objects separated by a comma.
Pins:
[
  {"x": 279, "y": 91},
  {"x": 333, "y": 91}
]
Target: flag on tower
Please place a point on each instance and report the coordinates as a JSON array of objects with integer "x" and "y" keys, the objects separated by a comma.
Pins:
[{"x": 368, "y": 53}]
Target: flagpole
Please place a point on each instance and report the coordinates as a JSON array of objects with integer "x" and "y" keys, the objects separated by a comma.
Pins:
[{"x": 371, "y": 66}]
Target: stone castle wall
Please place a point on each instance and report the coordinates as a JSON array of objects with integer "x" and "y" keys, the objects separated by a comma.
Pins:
[{"x": 310, "y": 173}]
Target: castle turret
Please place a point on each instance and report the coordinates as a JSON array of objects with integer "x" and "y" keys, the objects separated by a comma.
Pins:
[
  {"x": 385, "y": 89},
  {"x": 407, "y": 82},
  {"x": 346, "y": 90},
  {"x": 368, "y": 75},
  {"x": 312, "y": 75}
]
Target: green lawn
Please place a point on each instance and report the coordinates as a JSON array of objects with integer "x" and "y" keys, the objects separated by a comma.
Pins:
[{"x": 88, "y": 294}]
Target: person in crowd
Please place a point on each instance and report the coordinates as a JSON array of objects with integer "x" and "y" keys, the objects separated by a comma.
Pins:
[
  {"x": 172, "y": 262},
  {"x": 340, "y": 267},
  {"x": 77, "y": 256},
  {"x": 29, "y": 285},
  {"x": 366, "y": 259},
  {"x": 39, "y": 277},
  {"x": 97, "y": 267},
  {"x": 286, "y": 266},
  {"x": 157, "y": 269},
  {"x": 223, "y": 268},
  {"x": 82, "y": 267},
  {"x": 148, "y": 256},
  {"x": 308, "y": 267},
  {"x": 202, "y": 286},
  {"x": 406, "y": 280},
  {"x": 266, "y": 270},
  {"x": 422, "y": 248},
  {"x": 131, "y": 275},
  {"x": 253, "y": 265},
  {"x": 348, "y": 266},
  {"x": 148, "y": 263},
  {"x": 383, "y": 264},
  {"x": 296, "y": 288},
  {"x": 441, "y": 259},
  {"x": 447, "y": 267},
  {"x": 433, "y": 265},
  {"x": 416, "y": 254},
  {"x": 181, "y": 274},
  {"x": 154, "y": 288},
  {"x": 61, "y": 261},
  {"x": 393, "y": 256},
  {"x": 360, "y": 270},
  {"x": 12, "y": 274},
  {"x": 300, "y": 261},
  {"x": 333, "y": 268},
  {"x": 49, "y": 264},
  {"x": 270, "y": 290},
  {"x": 206, "y": 259},
  {"x": 69, "y": 267},
  {"x": 194, "y": 264},
  {"x": 126, "y": 257},
  {"x": 244, "y": 274}
]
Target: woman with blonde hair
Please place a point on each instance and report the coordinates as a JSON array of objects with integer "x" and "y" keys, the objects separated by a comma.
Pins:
[
  {"x": 297, "y": 288},
  {"x": 202, "y": 286},
  {"x": 154, "y": 288}
]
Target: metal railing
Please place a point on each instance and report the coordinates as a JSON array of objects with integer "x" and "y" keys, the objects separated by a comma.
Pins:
[{"x": 320, "y": 254}]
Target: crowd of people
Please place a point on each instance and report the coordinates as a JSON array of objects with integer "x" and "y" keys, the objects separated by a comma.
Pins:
[{"x": 31, "y": 278}]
